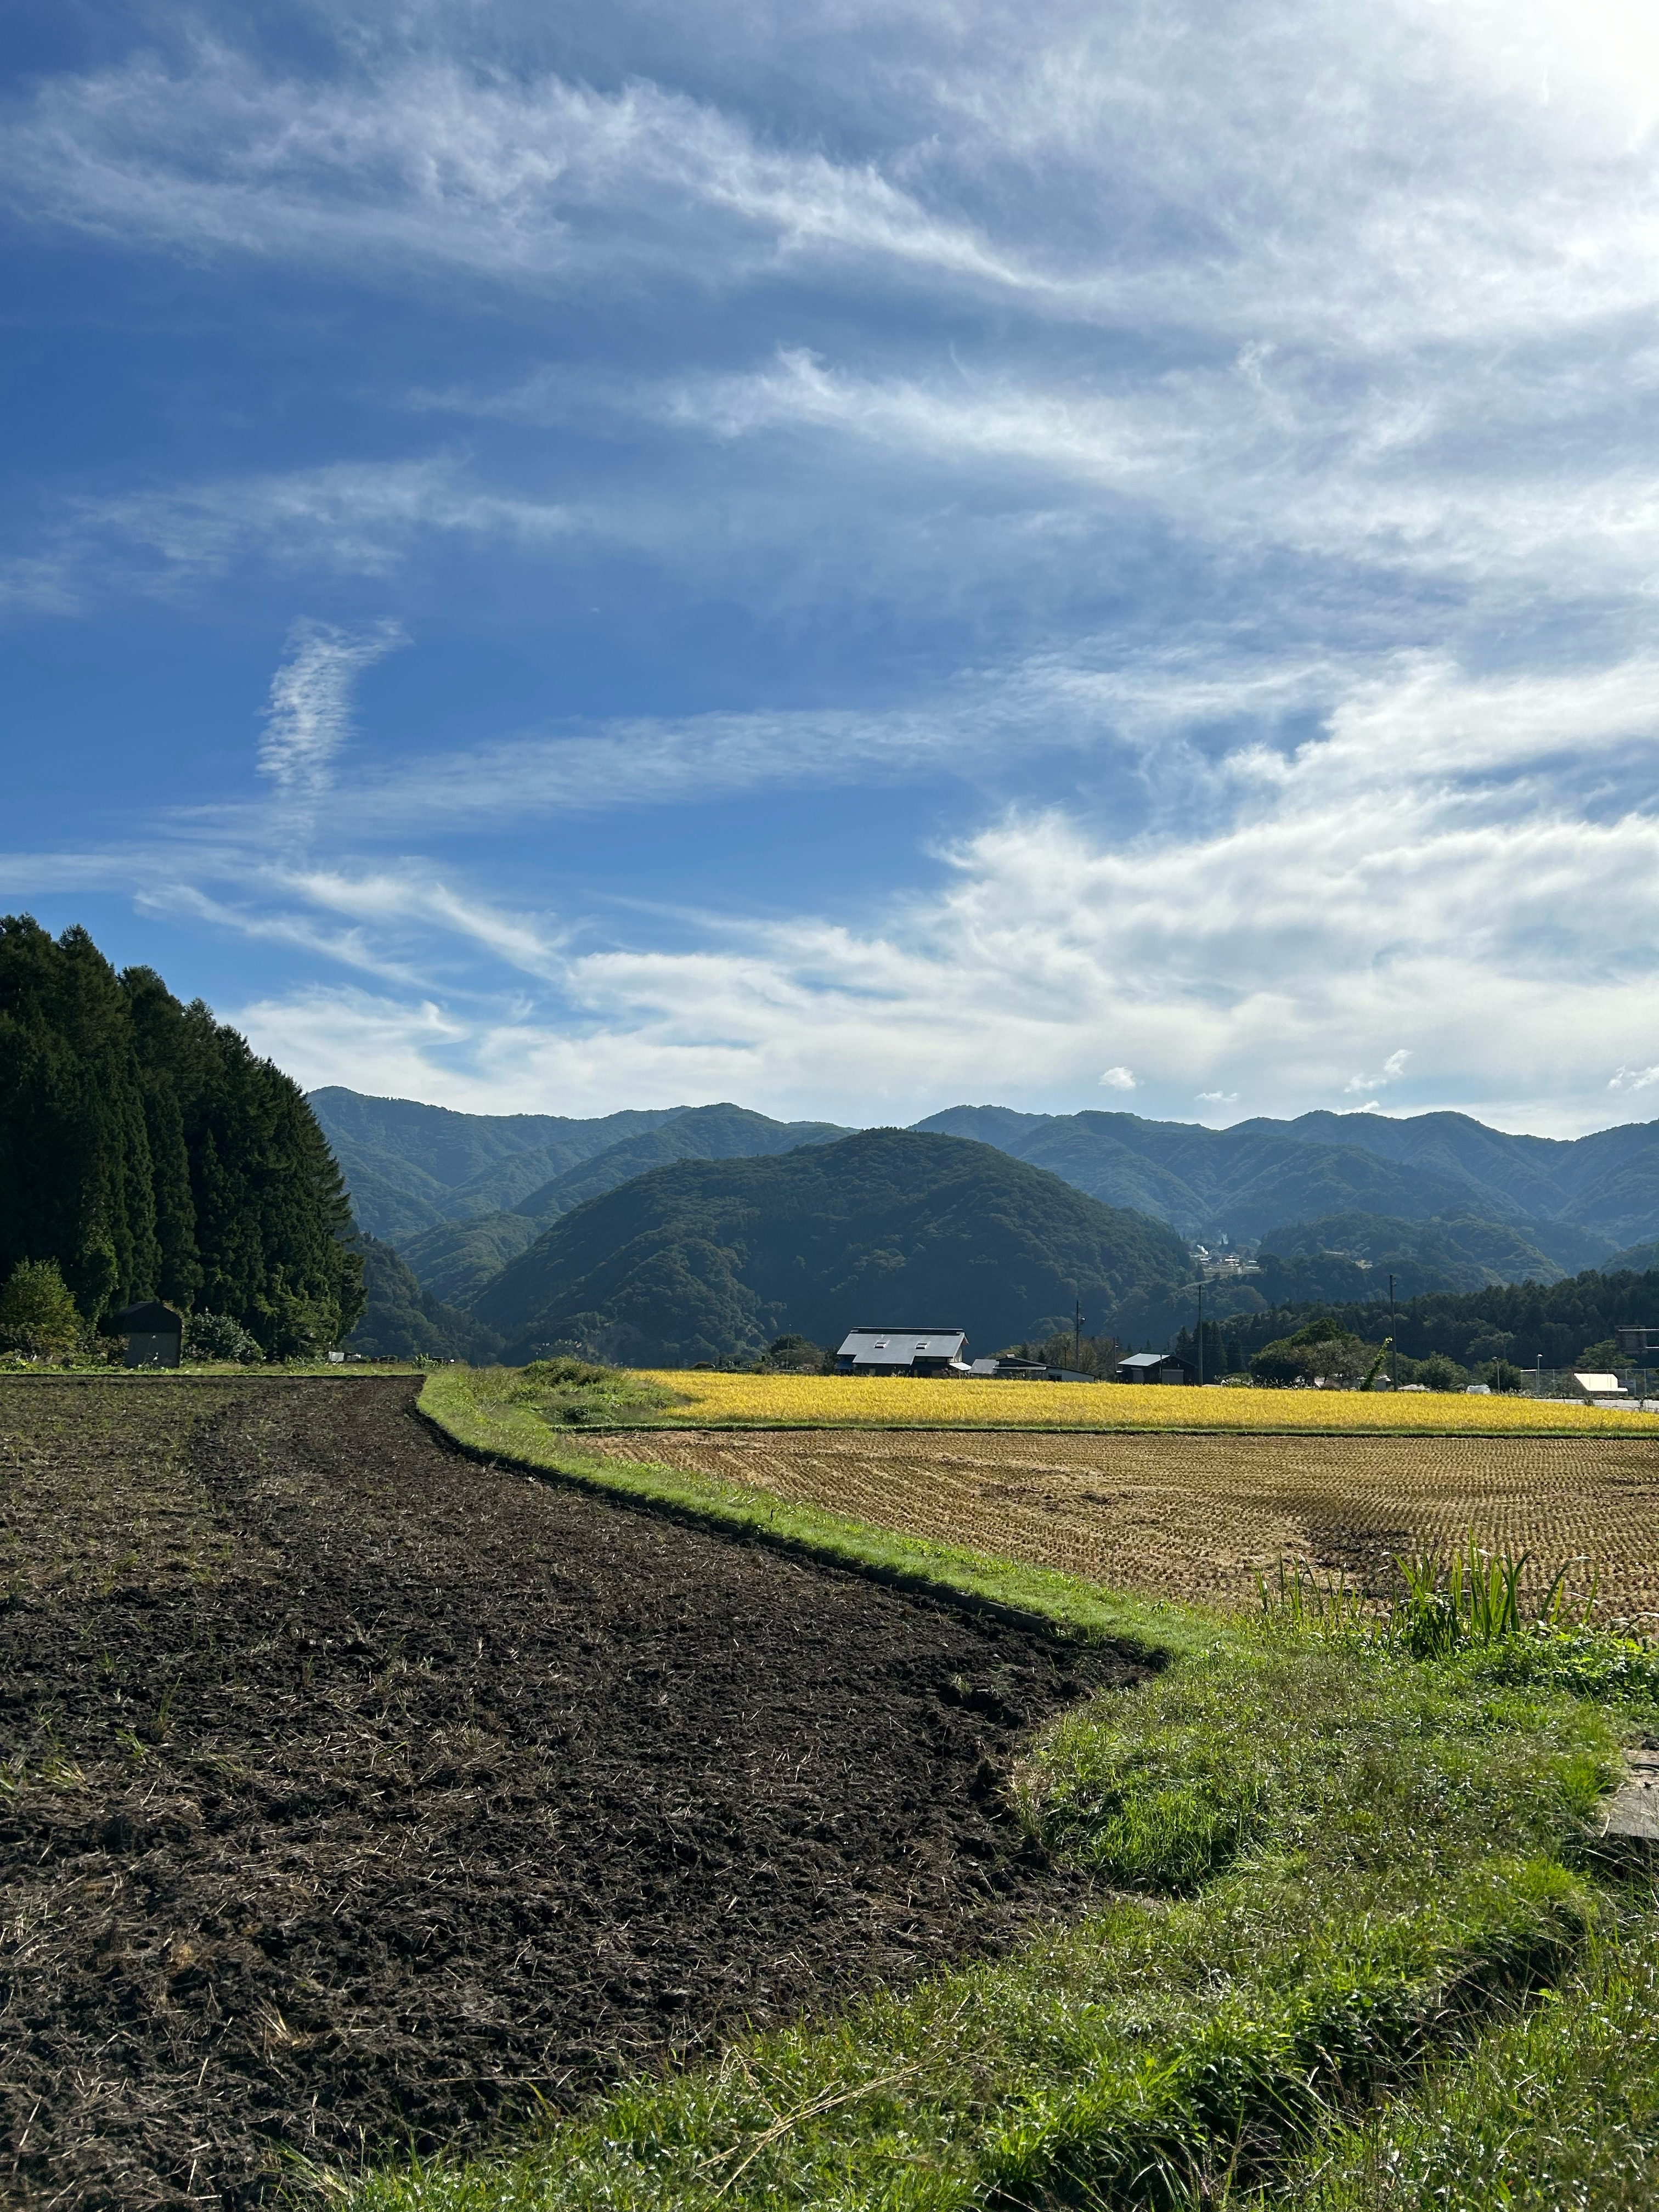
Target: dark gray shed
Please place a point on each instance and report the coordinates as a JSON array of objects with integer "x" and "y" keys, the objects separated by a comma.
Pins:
[
  {"x": 154, "y": 1333},
  {"x": 1154, "y": 1367}
]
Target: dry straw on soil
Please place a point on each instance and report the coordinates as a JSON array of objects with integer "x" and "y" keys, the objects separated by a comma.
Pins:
[
  {"x": 713, "y": 1400},
  {"x": 1201, "y": 1516}
]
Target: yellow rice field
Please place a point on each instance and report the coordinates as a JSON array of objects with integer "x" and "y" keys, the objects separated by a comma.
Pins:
[
  {"x": 1199, "y": 1515},
  {"x": 785, "y": 1400}
]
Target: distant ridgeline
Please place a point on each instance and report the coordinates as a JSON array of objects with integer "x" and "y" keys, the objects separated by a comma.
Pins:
[{"x": 147, "y": 1151}]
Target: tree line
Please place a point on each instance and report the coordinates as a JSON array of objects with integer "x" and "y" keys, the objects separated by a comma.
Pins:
[
  {"x": 148, "y": 1152},
  {"x": 1519, "y": 1322}
]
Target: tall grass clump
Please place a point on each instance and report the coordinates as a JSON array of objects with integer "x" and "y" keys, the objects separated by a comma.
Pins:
[{"x": 1473, "y": 1605}]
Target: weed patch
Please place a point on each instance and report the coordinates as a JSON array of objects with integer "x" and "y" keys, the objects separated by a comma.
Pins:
[{"x": 574, "y": 1393}]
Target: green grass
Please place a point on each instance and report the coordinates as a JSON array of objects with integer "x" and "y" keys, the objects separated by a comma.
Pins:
[
  {"x": 1556, "y": 2110},
  {"x": 1352, "y": 1946}
]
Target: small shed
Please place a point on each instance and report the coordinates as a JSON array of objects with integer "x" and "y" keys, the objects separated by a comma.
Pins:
[
  {"x": 1600, "y": 1386},
  {"x": 154, "y": 1333},
  {"x": 1155, "y": 1367},
  {"x": 902, "y": 1351}
]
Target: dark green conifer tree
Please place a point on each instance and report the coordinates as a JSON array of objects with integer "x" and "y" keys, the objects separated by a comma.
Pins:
[
  {"x": 75, "y": 1184},
  {"x": 146, "y": 1151},
  {"x": 158, "y": 1030}
]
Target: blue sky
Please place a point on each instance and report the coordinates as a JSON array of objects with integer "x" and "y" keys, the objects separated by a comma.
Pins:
[{"x": 849, "y": 559}]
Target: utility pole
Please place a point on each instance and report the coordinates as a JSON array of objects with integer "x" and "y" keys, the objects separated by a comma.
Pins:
[
  {"x": 1201, "y": 1331},
  {"x": 1394, "y": 1342},
  {"x": 1077, "y": 1333}
]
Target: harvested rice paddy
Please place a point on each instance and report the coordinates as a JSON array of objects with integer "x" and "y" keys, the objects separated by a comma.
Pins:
[
  {"x": 711, "y": 1400},
  {"x": 1199, "y": 1516}
]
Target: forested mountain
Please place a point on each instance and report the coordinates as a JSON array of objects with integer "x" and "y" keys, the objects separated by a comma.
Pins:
[
  {"x": 147, "y": 1151},
  {"x": 1351, "y": 1255},
  {"x": 1575, "y": 1201},
  {"x": 1607, "y": 1182},
  {"x": 1337, "y": 1200},
  {"x": 401, "y": 1319},
  {"x": 711, "y": 1259},
  {"x": 698, "y": 1132},
  {"x": 458, "y": 1258},
  {"x": 1210, "y": 1181},
  {"x": 409, "y": 1166}
]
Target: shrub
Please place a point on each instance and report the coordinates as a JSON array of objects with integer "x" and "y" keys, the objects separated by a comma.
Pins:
[
  {"x": 1439, "y": 1373},
  {"x": 38, "y": 1315},
  {"x": 799, "y": 1355},
  {"x": 217, "y": 1336},
  {"x": 1323, "y": 1348}
]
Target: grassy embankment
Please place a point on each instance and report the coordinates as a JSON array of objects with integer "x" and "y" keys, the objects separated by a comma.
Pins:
[
  {"x": 710, "y": 1399},
  {"x": 1338, "y": 1875}
]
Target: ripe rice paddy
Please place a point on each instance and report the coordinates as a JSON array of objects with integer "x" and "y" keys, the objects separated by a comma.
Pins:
[
  {"x": 712, "y": 1400},
  {"x": 1198, "y": 1516}
]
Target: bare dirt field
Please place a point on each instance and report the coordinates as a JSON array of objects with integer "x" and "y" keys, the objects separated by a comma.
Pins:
[
  {"x": 355, "y": 1793},
  {"x": 1196, "y": 1516}
]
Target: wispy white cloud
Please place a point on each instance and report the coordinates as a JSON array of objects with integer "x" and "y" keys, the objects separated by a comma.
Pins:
[
  {"x": 309, "y": 718},
  {"x": 430, "y": 161},
  {"x": 1330, "y": 914}
]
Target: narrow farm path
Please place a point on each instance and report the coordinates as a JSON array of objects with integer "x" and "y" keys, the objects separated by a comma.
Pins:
[{"x": 355, "y": 1792}]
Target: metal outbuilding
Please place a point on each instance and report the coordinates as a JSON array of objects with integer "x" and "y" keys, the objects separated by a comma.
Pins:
[
  {"x": 154, "y": 1333},
  {"x": 902, "y": 1351},
  {"x": 1155, "y": 1367}
]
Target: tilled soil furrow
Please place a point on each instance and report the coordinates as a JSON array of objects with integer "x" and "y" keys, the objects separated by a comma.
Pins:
[{"x": 390, "y": 1791}]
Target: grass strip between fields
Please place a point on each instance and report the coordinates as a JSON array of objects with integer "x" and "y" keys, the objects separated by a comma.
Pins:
[
  {"x": 478, "y": 1409},
  {"x": 1331, "y": 1876}
]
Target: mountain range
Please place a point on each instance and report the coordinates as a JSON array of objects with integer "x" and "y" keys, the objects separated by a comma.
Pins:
[
  {"x": 1335, "y": 1202},
  {"x": 409, "y": 1166},
  {"x": 1578, "y": 1197}
]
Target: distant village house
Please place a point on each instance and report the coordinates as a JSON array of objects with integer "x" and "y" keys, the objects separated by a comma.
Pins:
[{"x": 903, "y": 1352}]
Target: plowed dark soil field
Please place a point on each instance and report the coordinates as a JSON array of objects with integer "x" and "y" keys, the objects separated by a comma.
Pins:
[{"x": 355, "y": 1793}]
